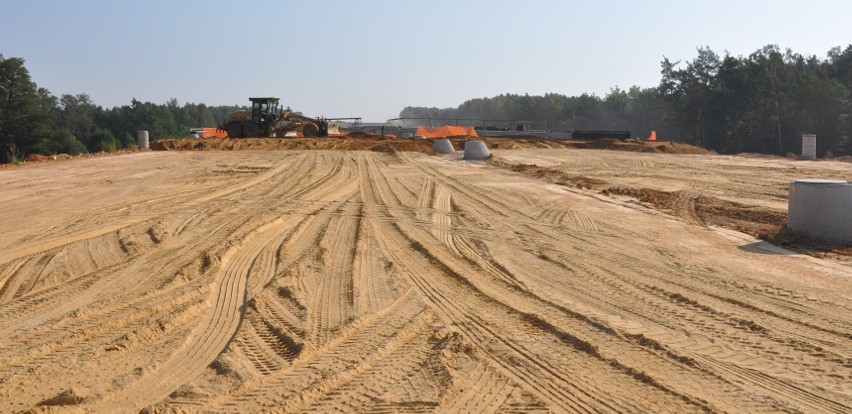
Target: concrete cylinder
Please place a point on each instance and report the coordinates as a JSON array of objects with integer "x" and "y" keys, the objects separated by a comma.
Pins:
[
  {"x": 809, "y": 146},
  {"x": 821, "y": 209},
  {"x": 142, "y": 139},
  {"x": 443, "y": 146},
  {"x": 476, "y": 150}
]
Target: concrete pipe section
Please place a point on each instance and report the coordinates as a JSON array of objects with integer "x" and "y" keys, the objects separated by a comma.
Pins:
[
  {"x": 142, "y": 139},
  {"x": 809, "y": 146},
  {"x": 476, "y": 150},
  {"x": 821, "y": 209},
  {"x": 443, "y": 146}
]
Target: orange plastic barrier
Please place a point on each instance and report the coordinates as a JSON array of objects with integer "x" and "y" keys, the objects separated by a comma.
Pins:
[
  {"x": 446, "y": 131},
  {"x": 653, "y": 136},
  {"x": 213, "y": 133}
]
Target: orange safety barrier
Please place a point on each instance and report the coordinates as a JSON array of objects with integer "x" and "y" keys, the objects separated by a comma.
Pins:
[
  {"x": 211, "y": 132},
  {"x": 653, "y": 136},
  {"x": 219, "y": 133},
  {"x": 446, "y": 131}
]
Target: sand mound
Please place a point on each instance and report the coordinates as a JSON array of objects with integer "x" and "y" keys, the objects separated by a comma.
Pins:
[
  {"x": 361, "y": 141},
  {"x": 523, "y": 142},
  {"x": 358, "y": 142}
]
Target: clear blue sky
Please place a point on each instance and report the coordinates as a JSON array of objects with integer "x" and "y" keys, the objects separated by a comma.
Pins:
[{"x": 372, "y": 58}]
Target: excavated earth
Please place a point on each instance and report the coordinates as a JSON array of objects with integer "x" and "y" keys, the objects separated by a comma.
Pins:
[
  {"x": 376, "y": 143},
  {"x": 543, "y": 280}
]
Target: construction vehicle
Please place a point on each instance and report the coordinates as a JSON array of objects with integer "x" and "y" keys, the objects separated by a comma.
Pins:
[{"x": 267, "y": 119}]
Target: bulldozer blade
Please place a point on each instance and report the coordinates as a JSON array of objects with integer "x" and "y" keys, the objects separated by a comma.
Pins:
[{"x": 333, "y": 128}]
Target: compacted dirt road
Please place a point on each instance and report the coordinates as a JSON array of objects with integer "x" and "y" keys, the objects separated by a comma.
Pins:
[{"x": 358, "y": 281}]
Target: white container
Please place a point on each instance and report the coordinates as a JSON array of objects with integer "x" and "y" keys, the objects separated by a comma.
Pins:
[
  {"x": 443, "y": 146},
  {"x": 809, "y": 146},
  {"x": 821, "y": 209},
  {"x": 476, "y": 150},
  {"x": 142, "y": 139}
]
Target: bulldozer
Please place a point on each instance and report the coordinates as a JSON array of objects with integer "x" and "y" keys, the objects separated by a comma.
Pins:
[{"x": 267, "y": 119}]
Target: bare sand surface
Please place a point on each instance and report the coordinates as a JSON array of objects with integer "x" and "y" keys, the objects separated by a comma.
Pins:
[
  {"x": 744, "y": 179},
  {"x": 369, "y": 281}
]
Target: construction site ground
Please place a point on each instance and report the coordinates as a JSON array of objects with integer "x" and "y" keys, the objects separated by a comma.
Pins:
[{"x": 377, "y": 278}]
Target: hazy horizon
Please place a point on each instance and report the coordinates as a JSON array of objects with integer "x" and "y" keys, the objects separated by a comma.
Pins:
[{"x": 337, "y": 58}]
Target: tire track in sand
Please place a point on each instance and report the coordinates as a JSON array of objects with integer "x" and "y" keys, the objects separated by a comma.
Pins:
[
  {"x": 53, "y": 243},
  {"x": 213, "y": 333},
  {"x": 802, "y": 396},
  {"x": 521, "y": 346}
]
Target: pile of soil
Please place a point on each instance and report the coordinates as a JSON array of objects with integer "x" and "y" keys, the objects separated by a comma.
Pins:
[
  {"x": 522, "y": 142},
  {"x": 368, "y": 142},
  {"x": 361, "y": 141}
]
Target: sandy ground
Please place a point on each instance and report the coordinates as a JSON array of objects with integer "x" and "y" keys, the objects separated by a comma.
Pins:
[
  {"x": 750, "y": 180},
  {"x": 365, "y": 281}
]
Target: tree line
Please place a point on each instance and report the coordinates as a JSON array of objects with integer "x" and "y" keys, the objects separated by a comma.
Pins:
[
  {"x": 33, "y": 121},
  {"x": 759, "y": 103}
]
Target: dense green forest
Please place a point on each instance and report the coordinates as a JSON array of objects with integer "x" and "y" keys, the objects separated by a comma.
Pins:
[
  {"x": 761, "y": 103},
  {"x": 32, "y": 120}
]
